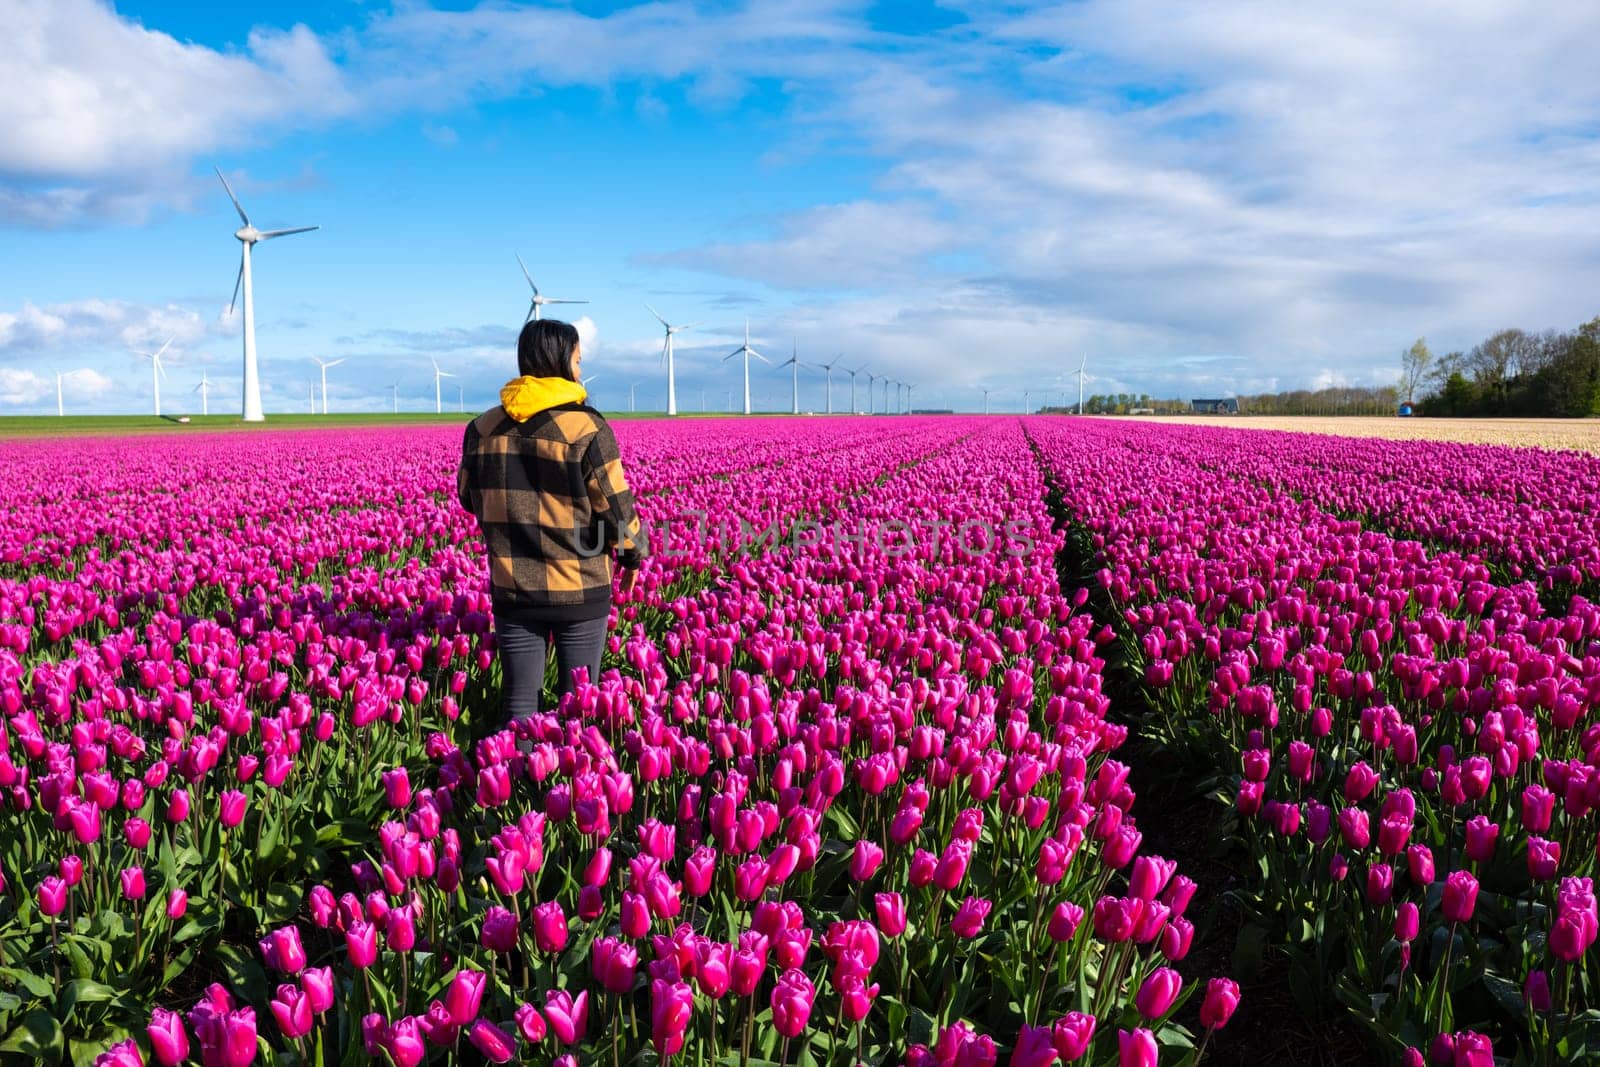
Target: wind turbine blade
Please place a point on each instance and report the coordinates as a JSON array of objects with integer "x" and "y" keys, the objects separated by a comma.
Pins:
[
  {"x": 336, "y": 362},
  {"x": 270, "y": 234},
  {"x": 730, "y": 355},
  {"x": 657, "y": 314},
  {"x": 237, "y": 282},
  {"x": 236, "y": 205},
  {"x": 526, "y": 275},
  {"x": 692, "y": 325},
  {"x": 762, "y": 358},
  {"x": 162, "y": 350},
  {"x": 446, "y": 374},
  {"x": 434, "y": 362},
  {"x": 547, "y": 301}
]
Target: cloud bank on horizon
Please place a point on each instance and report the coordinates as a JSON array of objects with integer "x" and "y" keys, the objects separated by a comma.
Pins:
[{"x": 1203, "y": 199}]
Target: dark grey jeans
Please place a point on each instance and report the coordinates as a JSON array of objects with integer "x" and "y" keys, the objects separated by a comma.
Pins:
[{"x": 525, "y": 649}]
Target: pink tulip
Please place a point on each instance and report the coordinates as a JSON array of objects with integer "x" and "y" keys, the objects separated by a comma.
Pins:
[
  {"x": 614, "y": 963},
  {"x": 1137, "y": 1049},
  {"x": 52, "y": 896},
  {"x": 1157, "y": 993},
  {"x": 968, "y": 921},
  {"x": 671, "y": 1006},
  {"x": 1222, "y": 999},
  {"x": 292, "y": 1011},
  {"x": 495, "y": 1044},
  {"x": 568, "y": 1015},
  {"x": 891, "y": 911},
  {"x": 791, "y": 1003},
  {"x": 549, "y": 927},
  {"x": 1072, "y": 1035},
  {"x": 1034, "y": 1048},
  {"x": 169, "y": 1041},
  {"x": 122, "y": 1054},
  {"x": 318, "y": 984},
  {"x": 1460, "y": 896}
]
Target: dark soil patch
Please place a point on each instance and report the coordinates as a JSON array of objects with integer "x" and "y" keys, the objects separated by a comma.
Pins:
[{"x": 1269, "y": 1027}]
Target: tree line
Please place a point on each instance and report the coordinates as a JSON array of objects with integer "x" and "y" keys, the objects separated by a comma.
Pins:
[{"x": 1554, "y": 374}]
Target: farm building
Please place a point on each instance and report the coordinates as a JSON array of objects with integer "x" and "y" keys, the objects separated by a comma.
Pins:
[{"x": 1223, "y": 406}]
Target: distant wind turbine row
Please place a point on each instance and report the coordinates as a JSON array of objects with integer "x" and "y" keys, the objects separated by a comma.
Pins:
[{"x": 249, "y": 236}]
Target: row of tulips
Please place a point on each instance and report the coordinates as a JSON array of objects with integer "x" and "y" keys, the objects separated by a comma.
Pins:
[
  {"x": 826, "y": 802},
  {"x": 1403, "y": 740},
  {"x": 265, "y": 721}
]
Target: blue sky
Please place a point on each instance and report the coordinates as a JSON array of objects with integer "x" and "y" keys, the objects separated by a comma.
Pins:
[{"x": 1209, "y": 199}]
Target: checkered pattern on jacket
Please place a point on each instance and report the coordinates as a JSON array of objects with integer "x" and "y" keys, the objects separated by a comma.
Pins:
[{"x": 552, "y": 502}]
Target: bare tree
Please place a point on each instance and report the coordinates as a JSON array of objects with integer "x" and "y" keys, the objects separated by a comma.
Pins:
[{"x": 1414, "y": 363}]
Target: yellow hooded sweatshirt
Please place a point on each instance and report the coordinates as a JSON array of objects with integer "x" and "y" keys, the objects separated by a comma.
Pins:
[{"x": 526, "y": 396}]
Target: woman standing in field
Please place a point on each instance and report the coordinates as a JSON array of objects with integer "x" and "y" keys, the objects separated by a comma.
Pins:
[{"x": 543, "y": 475}]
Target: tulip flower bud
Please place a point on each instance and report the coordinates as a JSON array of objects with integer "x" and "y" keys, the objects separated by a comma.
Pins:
[
  {"x": 1222, "y": 997},
  {"x": 1158, "y": 992},
  {"x": 1460, "y": 896}
]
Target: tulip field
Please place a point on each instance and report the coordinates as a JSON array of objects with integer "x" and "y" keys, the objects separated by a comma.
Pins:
[{"x": 855, "y": 782}]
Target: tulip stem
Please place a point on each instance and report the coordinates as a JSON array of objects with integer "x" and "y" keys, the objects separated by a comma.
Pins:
[
  {"x": 1201, "y": 1051},
  {"x": 1444, "y": 977},
  {"x": 783, "y": 1053}
]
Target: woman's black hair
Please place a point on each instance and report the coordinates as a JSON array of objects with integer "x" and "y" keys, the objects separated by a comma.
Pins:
[{"x": 545, "y": 349}]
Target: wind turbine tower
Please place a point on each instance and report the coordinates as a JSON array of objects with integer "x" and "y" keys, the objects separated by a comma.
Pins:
[
  {"x": 438, "y": 392},
  {"x": 747, "y": 352},
  {"x": 1084, "y": 363},
  {"x": 666, "y": 356},
  {"x": 793, "y": 362},
  {"x": 249, "y": 236},
  {"x": 204, "y": 389},
  {"x": 60, "y": 376},
  {"x": 828, "y": 369},
  {"x": 157, "y": 370},
  {"x": 325, "y": 364}
]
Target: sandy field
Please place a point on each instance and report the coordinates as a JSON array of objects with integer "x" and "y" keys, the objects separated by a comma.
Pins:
[{"x": 1581, "y": 435}]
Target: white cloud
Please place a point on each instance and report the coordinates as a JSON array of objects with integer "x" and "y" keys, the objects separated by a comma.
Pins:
[
  {"x": 19, "y": 387},
  {"x": 91, "y": 325},
  {"x": 103, "y": 112}
]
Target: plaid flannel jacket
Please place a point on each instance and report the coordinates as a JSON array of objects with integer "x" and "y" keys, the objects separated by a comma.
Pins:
[{"x": 551, "y": 500}]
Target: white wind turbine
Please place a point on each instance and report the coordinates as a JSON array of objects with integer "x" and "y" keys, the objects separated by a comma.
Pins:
[
  {"x": 985, "y": 400},
  {"x": 666, "y": 355},
  {"x": 631, "y": 388},
  {"x": 394, "y": 388},
  {"x": 249, "y": 236},
  {"x": 539, "y": 300},
  {"x": 325, "y": 364},
  {"x": 204, "y": 389},
  {"x": 461, "y": 399},
  {"x": 872, "y": 385},
  {"x": 746, "y": 351},
  {"x": 909, "y": 386},
  {"x": 794, "y": 360},
  {"x": 828, "y": 369},
  {"x": 1081, "y": 365},
  {"x": 853, "y": 374},
  {"x": 438, "y": 391},
  {"x": 157, "y": 370},
  {"x": 60, "y": 377}
]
